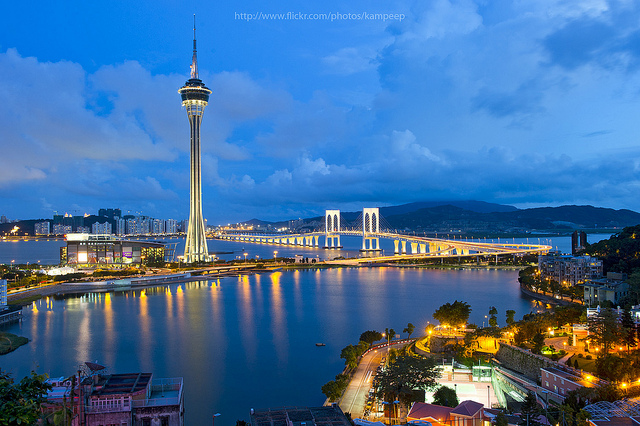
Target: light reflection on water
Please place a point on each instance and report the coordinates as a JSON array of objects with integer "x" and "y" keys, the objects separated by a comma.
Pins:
[{"x": 247, "y": 341}]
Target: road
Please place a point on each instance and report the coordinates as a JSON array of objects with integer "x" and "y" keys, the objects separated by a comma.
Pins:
[{"x": 355, "y": 396}]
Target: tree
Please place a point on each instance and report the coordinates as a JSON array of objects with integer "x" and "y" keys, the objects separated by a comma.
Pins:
[
  {"x": 613, "y": 368},
  {"x": 389, "y": 333},
  {"x": 334, "y": 388},
  {"x": 555, "y": 287},
  {"x": 446, "y": 397},
  {"x": 604, "y": 329},
  {"x": 331, "y": 390},
  {"x": 350, "y": 356},
  {"x": 510, "y": 317},
  {"x": 501, "y": 419},
  {"x": 406, "y": 374},
  {"x": 409, "y": 329},
  {"x": 628, "y": 329},
  {"x": 493, "y": 320},
  {"x": 20, "y": 402},
  {"x": 370, "y": 336},
  {"x": 538, "y": 343},
  {"x": 529, "y": 411},
  {"x": 453, "y": 314}
]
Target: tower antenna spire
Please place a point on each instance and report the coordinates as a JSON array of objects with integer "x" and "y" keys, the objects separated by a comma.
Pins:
[{"x": 194, "y": 59}]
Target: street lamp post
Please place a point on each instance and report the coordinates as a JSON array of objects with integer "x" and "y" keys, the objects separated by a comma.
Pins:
[
  {"x": 245, "y": 256},
  {"x": 488, "y": 396}
]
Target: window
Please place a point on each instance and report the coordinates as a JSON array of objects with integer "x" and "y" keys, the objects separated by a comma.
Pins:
[{"x": 546, "y": 384}]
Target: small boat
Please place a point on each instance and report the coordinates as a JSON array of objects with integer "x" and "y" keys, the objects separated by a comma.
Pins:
[{"x": 320, "y": 344}]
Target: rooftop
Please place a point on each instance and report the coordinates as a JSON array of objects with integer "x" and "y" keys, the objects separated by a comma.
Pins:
[
  {"x": 122, "y": 384},
  {"x": 298, "y": 416}
]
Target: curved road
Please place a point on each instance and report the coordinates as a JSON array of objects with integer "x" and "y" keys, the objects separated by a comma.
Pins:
[{"x": 355, "y": 396}]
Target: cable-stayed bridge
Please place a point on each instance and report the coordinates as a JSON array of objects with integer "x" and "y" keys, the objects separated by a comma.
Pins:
[{"x": 372, "y": 227}]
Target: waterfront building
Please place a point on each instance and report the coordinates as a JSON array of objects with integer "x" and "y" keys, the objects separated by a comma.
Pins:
[
  {"x": 119, "y": 399},
  {"x": 60, "y": 229},
  {"x": 92, "y": 250},
  {"x": 195, "y": 96},
  {"x": 612, "y": 288},
  {"x": 138, "y": 226},
  {"x": 101, "y": 228},
  {"x": 42, "y": 228},
  {"x": 83, "y": 229},
  {"x": 569, "y": 270},
  {"x": 121, "y": 226},
  {"x": 157, "y": 226},
  {"x": 309, "y": 416},
  {"x": 171, "y": 226}
]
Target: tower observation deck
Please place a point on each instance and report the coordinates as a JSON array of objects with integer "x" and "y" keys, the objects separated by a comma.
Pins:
[{"x": 195, "y": 96}]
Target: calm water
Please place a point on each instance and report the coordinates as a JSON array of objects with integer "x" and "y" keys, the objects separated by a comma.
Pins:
[{"x": 247, "y": 341}]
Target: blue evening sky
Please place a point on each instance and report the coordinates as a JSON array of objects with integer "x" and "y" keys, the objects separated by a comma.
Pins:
[{"x": 523, "y": 102}]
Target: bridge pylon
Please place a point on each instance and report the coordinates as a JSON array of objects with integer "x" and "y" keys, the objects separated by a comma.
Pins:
[
  {"x": 370, "y": 227},
  {"x": 332, "y": 229}
]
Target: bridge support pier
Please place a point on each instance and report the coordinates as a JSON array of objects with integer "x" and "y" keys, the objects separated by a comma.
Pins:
[
  {"x": 414, "y": 248},
  {"x": 332, "y": 241},
  {"x": 396, "y": 246},
  {"x": 404, "y": 247},
  {"x": 374, "y": 244}
]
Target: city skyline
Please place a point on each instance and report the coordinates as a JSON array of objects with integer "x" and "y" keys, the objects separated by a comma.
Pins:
[{"x": 528, "y": 104}]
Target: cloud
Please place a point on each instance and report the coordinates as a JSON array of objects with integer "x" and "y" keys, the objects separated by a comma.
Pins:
[{"x": 350, "y": 60}]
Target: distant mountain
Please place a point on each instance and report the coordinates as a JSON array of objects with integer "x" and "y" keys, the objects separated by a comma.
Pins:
[
  {"x": 480, "y": 217},
  {"x": 471, "y": 205},
  {"x": 451, "y": 218}
]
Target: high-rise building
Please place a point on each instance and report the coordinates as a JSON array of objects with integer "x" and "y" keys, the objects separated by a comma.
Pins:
[
  {"x": 195, "y": 96},
  {"x": 110, "y": 213},
  {"x": 157, "y": 226},
  {"x": 101, "y": 228},
  {"x": 42, "y": 228},
  {"x": 578, "y": 241},
  {"x": 139, "y": 225},
  {"x": 121, "y": 226},
  {"x": 171, "y": 226},
  {"x": 60, "y": 229}
]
